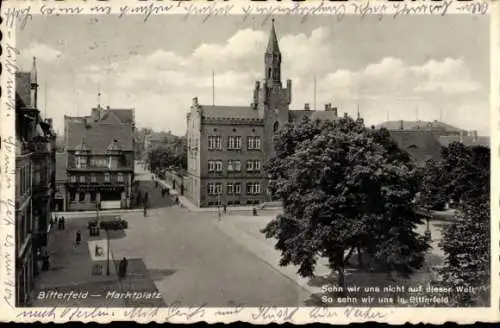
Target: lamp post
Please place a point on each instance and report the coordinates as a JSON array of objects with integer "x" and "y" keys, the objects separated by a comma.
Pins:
[
  {"x": 107, "y": 256},
  {"x": 218, "y": 204}
]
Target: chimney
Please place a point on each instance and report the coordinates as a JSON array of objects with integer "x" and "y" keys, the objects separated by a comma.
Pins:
[
  {"x": 327, "y": 108},
  {"x": 334, "y": 110},
  {"x": 96, "y": 114},
  {"x": 306, "y": 106},
  {"x": 401, "y": 125},
  {"x": 49, "y": 122},
  {"x": 461, "y": 136},
  {"x": 195, "y": 101},
  {"x": 474, "y": 136},
  {"x": 107, "y": 107}
]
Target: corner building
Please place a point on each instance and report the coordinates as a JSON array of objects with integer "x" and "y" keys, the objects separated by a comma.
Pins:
[{"x": 229, "y": 145}]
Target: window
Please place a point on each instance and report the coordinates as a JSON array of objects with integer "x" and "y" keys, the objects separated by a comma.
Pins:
[
  {"x": 93, "y": 178},
  {"x": 234, "y": 143},
  {"x": 237, "y": 188},
  {"x": 82, "y": 179},
  {"x": 214, "y": 142},
  {"x": 234, "y": 165},
  {"x": 211, "y": 166},
  {"x": 106, "y": 177},
  {"x": 120, "y": 177},
  {"x": 81, "y": 197},
  {"x": 73, "y": 196},
  {"x": 253, "y": 143},
  {"x": 81, "y": 162},
  {"x": 92, "y": 196},
  {"x": 253, "y": 188},
  {"x": 276, "y": 127},
  {"x": 218, "y": 166},
  {"x": 229, "y": 188},
  {"x": 253, "y": 166},
  {"x": 215, "y": 188},
  {"x": 249, "y": 166},
  {"x": 112, "y": 162},
  {"x": 73, "y": 178}
]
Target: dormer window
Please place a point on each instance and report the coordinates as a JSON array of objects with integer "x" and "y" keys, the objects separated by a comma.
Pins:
[{"x": 81, "y": 162}]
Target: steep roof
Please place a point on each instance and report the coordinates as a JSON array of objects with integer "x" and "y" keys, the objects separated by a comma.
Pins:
[
  {"x": 236, "y": 112},
  {"x": 99, "y": 136},
  {"x": 421, "y": 145},
  {"x": 466, "y": 140},
  {"x": 61, "y": 166},
  {"x": 125, "y": 116},
  {"x": 297, "y": 115},
  {"x": 272, "y": 44},
  {"x": 23, "y": 89},
  {"x": 418, "y": 125}
]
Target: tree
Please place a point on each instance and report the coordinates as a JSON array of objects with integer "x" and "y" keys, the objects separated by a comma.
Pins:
[
  {"x": 466, "y": 242},
  {"x": 344, "y": 187},
  {"x": 170, "y": 154}
]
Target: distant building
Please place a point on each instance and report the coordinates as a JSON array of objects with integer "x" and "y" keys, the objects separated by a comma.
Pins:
[
  {"x": 100, "y": 155},
  {"x": 423, "y": 140},
  {"x": 229, "y": 145},
  {"x": 34, "y": 183}
]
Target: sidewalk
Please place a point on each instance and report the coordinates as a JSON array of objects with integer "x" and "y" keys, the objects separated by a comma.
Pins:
[
  {"x": 245, "y": 230},
  {"x": 87, "y": 214},
  {"x": 185, "y": 202},
  {"x": 72, "y": 268}
]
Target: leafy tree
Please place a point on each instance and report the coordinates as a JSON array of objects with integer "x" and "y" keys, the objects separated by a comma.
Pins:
[
  {"x": 170, "y": 154},
  {"x": 466, "y": 242},
  {"x": 344, "y": 187}
]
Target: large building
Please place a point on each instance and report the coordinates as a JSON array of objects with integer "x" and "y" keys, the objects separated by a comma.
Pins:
[
  {"x": 100, "y": 155},
  {"x": 228, "y": 145},
  {"x": 423, "y": 140},
  {"x": 35, "y": 180}
]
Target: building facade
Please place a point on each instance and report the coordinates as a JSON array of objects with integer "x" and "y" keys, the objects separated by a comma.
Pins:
[
  {"x": 100, "y": 153},
  {"x": 228, "y": 146},
  {"x": 423, "y": 140},
  {"x": 35, "y": 179}
]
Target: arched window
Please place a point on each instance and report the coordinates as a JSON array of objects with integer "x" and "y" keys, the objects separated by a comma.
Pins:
[{"x": 276, "y": 127}]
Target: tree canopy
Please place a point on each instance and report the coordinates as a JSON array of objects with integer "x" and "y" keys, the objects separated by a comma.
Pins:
[
  {"x": 169, "y": 154},
  {"x": 463, "y": 175},
  {"x": 344, "y": 186}
]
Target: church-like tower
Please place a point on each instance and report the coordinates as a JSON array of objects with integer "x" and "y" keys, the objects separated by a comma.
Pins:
[
  {"x": 270, "y": 98},
  {"x": 272, "y": 60}
]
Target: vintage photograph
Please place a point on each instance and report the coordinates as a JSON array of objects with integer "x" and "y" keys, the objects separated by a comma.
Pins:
[{"x": 258, "y": 161}]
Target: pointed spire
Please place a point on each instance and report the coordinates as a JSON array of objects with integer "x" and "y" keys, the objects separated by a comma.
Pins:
[{"x": 272, "y": 44}]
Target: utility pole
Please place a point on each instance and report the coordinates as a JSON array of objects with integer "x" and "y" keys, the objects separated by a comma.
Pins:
[{"x": 213, "y": 88}]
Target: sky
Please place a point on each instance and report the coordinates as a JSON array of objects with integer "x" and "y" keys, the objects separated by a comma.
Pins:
[{"x": 413, "y": 67}]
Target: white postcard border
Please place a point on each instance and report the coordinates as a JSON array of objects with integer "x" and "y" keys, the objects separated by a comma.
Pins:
[{"x": 212, "y": 315}]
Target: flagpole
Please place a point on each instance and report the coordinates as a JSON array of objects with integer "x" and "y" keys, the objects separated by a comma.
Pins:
[
  {"x": 213, "y": 88},
  {"x": 315, "y": 92}
]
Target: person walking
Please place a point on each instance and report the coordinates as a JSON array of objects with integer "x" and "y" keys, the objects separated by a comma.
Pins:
[
  {"x": 63, "y": 223},
  {"x": 145, "y": 210},
  {"x": 78, "y": 237},
  {"x": 225, "y": 208}
]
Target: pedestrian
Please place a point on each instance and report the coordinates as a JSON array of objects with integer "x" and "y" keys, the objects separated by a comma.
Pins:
[
  {"x": 78, "y": 237},
  {"x": 59, "y": 223},
  {"x": 163, "y": 193},
  {"x": 225, "y": 208},
  {"x": 63, "y": 223},
  {"x": 254, "y": 210},
  {"x": 125, "y": 265},
  {"x": 145, "y": 210},
  {"x": 177, "y": 200}
]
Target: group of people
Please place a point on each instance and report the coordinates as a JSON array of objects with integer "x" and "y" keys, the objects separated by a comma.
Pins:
[{"x": 61, "y": 223}]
